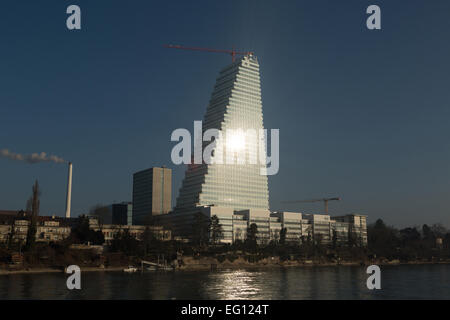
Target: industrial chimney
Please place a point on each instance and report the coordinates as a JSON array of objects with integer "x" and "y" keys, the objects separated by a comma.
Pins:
[{"x": 69, "y": 191}]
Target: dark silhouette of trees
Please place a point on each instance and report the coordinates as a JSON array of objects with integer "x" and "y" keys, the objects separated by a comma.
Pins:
[
  {"x": 283, "y": 232},
  {"x": 351, "y": 237},
  {"x": 33, "y": 209},
  {"x": 147, "y": 240},
  {"x": 251, "y": 243},
  {"x": 409, "y": 243},
  {"x": 201, "y": 229},
  {"x": 334, "y": 239},
  {"x": 83, "y": 234},
  {"x": 439, "y": 230},
  {"x": 216, "y": 229},
  {"x": 11, "y": 235},
  {"x": 124, "y": 242},
  {"x": 382, "y": 240}
]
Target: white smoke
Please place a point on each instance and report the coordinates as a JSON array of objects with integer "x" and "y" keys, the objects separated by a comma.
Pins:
[{"x": 31, "y": 158}]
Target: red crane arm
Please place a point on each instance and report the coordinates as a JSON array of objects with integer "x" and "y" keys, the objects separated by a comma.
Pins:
[{"x": 233, "y": 52}]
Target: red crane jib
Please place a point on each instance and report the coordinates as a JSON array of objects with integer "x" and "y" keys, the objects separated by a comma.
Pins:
[{"x": 233, "y": 52}]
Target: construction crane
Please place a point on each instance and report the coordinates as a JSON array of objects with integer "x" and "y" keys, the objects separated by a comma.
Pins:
[
  {"x": 325, "y": 201},
  {"x": 232, "y": 52}
]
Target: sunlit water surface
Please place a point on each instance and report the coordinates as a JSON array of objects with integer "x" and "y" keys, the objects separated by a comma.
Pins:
[{"x": 397, "y": 282}]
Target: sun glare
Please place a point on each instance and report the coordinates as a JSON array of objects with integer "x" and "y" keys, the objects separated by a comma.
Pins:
[{"x": 236, "y": 141}]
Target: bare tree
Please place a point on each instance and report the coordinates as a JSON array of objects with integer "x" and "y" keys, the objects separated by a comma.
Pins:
[{"x": 33, "y": 205}]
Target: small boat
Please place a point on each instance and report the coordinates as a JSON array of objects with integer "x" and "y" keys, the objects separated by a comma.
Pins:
[{"x": 130, "y": 269}]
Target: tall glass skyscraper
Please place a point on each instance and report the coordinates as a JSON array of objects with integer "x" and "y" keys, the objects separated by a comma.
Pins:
[{"x": 235, "y": 104}]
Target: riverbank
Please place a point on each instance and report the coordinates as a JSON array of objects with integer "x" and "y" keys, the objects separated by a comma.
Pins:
[
  {"x": 58, "y": 270},
  {"x": 207, "y": 264},
  {"x": 274, "y": 262}
]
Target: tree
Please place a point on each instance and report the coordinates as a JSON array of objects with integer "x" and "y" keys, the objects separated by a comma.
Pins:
[
  {"x": 309, "y": 237},
  {"x": 201, "y": 229},
  {"x": 439, "y": 230},
  {"x": 125, "y": 242},
  {"x": 382, "y": 239},
  {"x": 12, "y": 234},
  {"x": 427, "y": 232},
  {"x": 409, "y": 236},
  {"x": 33, "y": 207},
  {"x": 283, "y": 232},
  {"x": 428, "y": 236},
  {"x": 252, "y": 237},
  {"x": 352, "y": 238},
  {"x": 274, "y": 236},
  {"x": 148, "y": 239},
  {"x": 216, "y": 229},
  {"x": 82, "y": 233},
  {"x": 318, "y": 239},
  {"x": 334, "y": 239}
]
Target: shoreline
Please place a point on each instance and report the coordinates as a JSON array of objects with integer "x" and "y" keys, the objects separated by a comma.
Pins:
[
  {"x": 221, "y": 267},
  {"x": 57, "y": 270}
]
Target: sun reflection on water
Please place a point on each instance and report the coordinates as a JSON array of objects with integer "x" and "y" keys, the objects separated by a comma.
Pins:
[{"x": 236, "y": 285}]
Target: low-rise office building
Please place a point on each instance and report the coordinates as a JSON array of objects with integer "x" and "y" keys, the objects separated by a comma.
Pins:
[
  {"x": 110, "y": 231},
  {"x": 116, "y": 213},
  {"x": 300, "y": 227},
  {"x": 357, "y": 227}
]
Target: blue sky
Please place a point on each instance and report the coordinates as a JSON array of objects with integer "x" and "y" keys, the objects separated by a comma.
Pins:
[{"x": 362, "y": 114}]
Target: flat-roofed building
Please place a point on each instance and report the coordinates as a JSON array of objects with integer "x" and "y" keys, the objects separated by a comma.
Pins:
[
  {"x": 225, "y": 216},
  {"x": 110, "y": 231},
  {"x": 339, "y": 232},
  {"x": 275, "y": 226},
  {"x": 292, "y": 221},
  {"x": 152, "y": 194},
  {"x": 357, "y": 227},
  {"x": 116, "y": 213},
  {"x": 321, "y": 227},
  {"x": 261, "y": 218},
  {"x": 300, "y": 227}
]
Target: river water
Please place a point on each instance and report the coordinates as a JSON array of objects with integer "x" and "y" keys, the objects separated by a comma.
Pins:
[{"x": 343, "y": 282}]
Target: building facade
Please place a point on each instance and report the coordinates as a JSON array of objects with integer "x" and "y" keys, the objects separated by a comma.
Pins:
[
  {"x": 356, "y": 225},
  {"x": 116, "y": 213},
  {"x": 48, "y": 229},
  {"x": 320, "y": 229},
  {"x": 110, "y": 231},
  {"x": 234, "y": 175},
  {"x": 235, "y": 105},
  {"x": 152, "y": 194}
]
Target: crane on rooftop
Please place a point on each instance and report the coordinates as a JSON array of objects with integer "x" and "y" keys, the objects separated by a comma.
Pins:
[
  {"x": 232, "y": 52},
  {"x": 324, "y": 200}
]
